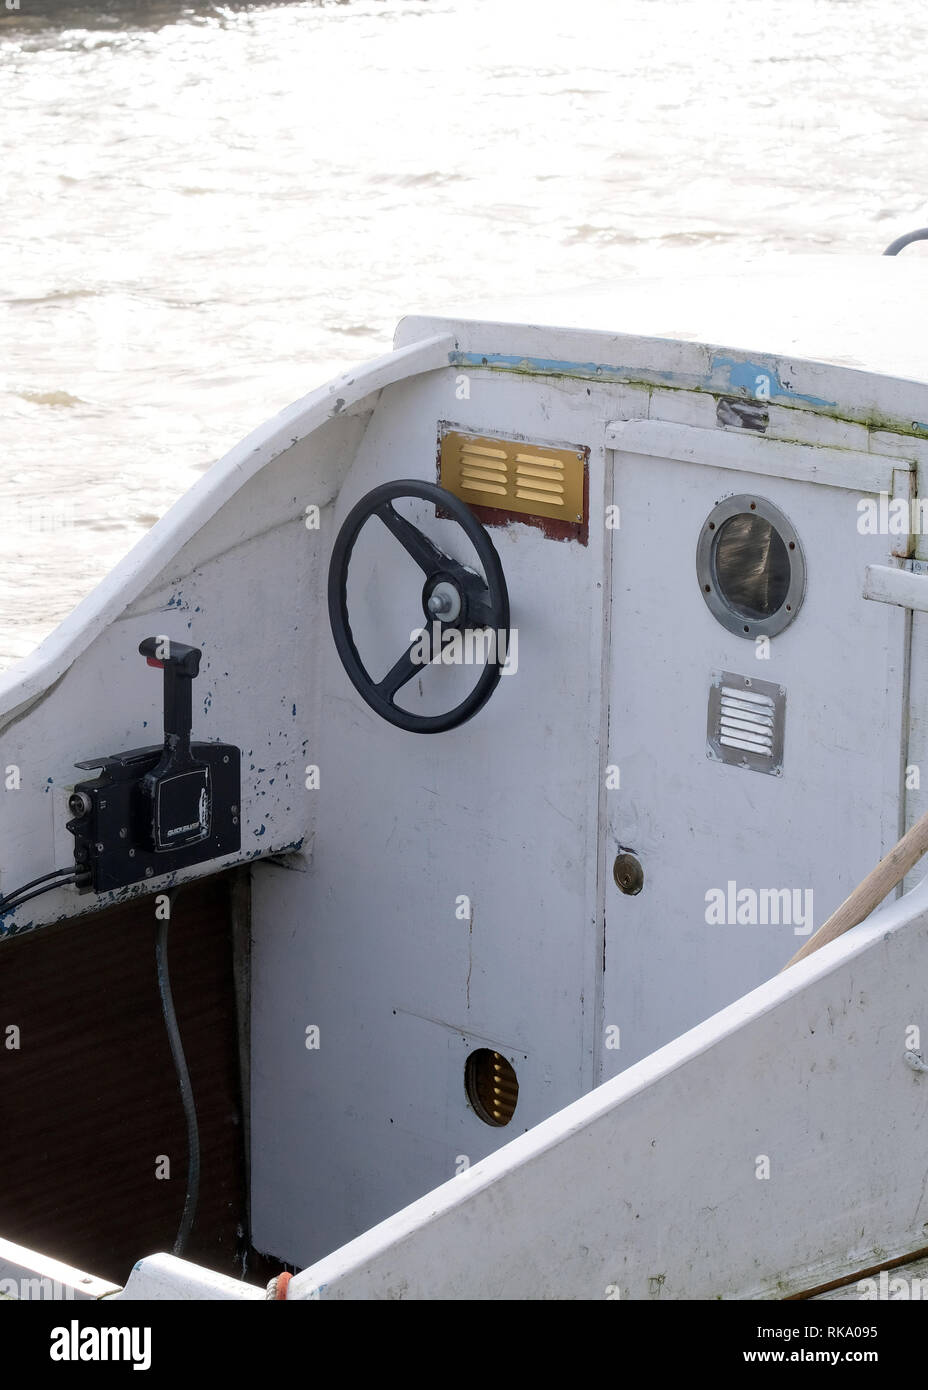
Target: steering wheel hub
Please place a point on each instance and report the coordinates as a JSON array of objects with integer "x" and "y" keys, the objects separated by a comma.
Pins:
[{"x": 445, "y": 602}]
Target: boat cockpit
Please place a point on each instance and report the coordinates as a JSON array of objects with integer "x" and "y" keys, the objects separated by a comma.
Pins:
[{"x": 400, "y": 848}]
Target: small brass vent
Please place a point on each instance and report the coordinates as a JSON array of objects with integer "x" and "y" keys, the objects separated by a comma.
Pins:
[
  {"x": 491, "y": 1085},
  {"x": 512, "y": 479}
]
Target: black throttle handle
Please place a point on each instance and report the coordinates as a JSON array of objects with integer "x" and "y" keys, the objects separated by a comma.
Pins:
[{"x": 181, "y": 666}]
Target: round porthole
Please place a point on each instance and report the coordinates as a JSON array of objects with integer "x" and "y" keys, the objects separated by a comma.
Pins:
[
  {"x": 751, "y": 569},
  {"x": 491, "y": 1086}
]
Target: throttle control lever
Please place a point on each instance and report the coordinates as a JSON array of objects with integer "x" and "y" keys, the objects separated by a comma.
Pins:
[{"x": 157, "y": 809}]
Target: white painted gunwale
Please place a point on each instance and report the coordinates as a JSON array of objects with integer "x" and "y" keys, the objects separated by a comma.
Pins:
[{"x": 27, "y": 1267}]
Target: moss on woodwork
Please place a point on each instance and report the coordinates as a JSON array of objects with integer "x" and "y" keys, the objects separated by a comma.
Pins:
[{"x": 869, "y": 419}]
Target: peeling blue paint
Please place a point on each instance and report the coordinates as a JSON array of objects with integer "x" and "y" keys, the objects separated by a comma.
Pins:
[
  {"x": 749, "y": 376},
  {"x": 725, "y": 373},
  {"x": 12, "y": 929},
  {"x": 262, "y": 830}
]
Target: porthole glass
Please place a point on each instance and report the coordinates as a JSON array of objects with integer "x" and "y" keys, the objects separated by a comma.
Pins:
[{"x": 750, "y": 566}]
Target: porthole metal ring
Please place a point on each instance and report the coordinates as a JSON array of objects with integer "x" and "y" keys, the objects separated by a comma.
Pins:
[{"x": 732, "y": 610}]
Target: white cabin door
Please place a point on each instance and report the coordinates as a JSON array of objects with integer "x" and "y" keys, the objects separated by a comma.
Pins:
[{"x": 750, "y": 784}]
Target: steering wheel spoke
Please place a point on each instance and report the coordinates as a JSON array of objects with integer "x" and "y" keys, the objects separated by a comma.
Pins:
[
  {"x": 426, "y": 555},
  {"x": 404, "y": 669},
  {"x": 480, "y": 611}
]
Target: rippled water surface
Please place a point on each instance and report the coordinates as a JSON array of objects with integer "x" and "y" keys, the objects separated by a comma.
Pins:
[{"x": 209, "y": 209}]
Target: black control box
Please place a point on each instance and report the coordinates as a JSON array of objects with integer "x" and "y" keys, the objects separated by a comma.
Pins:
[{"x": 153, "y": 810}]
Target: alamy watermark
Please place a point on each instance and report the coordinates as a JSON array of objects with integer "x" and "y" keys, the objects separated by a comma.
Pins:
[
  {"x": 760, "y": 907},
  {"x": 889, "y": 1286},
  {"x": 35, "y": 1287},
  {"x": 92, "y": 1343},
  {"x": 892, "y": 516},
  {"x": 469, "y": 646}
]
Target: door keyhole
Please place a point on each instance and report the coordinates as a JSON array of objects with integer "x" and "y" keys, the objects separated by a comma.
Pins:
[{"x": 628, "y": 874}]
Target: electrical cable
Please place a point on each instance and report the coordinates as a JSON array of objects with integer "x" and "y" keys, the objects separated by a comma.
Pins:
[
  {"x": 59, "y": 878},
  {"x": 54, "y": 873},
  {"x": 8, "y": 904},
  {"x": 183, "y": 1080}
]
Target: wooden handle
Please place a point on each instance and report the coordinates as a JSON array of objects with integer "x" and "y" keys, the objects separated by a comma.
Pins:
[{"x": 871, "y": 892}]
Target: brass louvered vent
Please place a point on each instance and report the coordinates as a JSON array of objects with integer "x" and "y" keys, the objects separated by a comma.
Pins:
[
  {"x": 491, "y": 1085},
  {"x": 481, "y": 469},
  {"x": 510, "y": 476}
]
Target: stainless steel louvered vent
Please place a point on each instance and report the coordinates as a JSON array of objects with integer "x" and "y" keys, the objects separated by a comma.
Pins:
[{"x": 745, "y": 722}]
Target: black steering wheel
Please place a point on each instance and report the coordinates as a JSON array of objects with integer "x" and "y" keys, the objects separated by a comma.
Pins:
[{"x": 453, "y": 598}]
